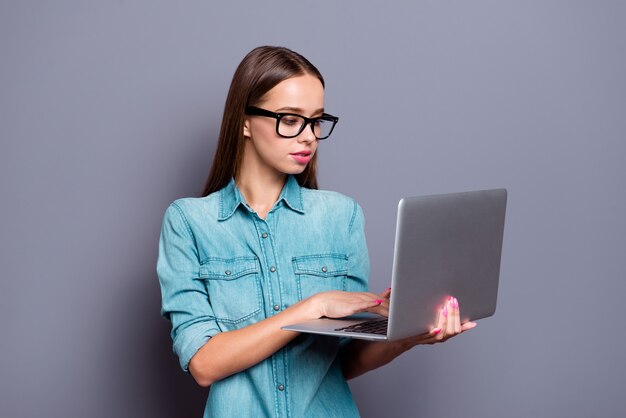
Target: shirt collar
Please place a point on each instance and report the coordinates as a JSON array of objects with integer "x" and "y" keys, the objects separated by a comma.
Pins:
[
  {"x": 292, "y": 194},
  {"x": 231, "y": 197}
]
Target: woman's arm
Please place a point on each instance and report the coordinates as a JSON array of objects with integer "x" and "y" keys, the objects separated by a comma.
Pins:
[
  {"x": 360, "y": 356},
  {"x": 230, "y": 352}
]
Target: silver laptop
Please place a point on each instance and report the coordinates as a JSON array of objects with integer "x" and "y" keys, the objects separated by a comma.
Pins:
[{"x": 446, "y": 245}]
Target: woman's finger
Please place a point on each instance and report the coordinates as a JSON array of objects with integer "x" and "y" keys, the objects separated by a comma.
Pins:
[
  {"x": 442, "y": 323},
  {"x": 457, "y": 316},
  {"x": 367, "y": 305},
  {"x": 468, "y": 325},
  {"x": 449, "y": 314},
  {"x": 380, "y": 309},
  {"x": 337, "y": 304},
  {"x": 433, "y": 334},
  {"x": 385, "y": 294}
]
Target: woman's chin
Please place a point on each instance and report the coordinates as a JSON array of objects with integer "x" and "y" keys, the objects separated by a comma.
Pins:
[{"x": 293, "y": 170}]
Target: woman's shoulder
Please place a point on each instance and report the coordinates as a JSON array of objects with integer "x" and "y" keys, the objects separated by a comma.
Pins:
[
  {"x": 326, "y": 196},
  {"x": 190, "y": 207},
  {"x": 330, "y": 201}
]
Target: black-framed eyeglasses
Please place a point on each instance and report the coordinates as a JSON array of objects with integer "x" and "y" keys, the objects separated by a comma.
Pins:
[{"x": 290, "y": 125}]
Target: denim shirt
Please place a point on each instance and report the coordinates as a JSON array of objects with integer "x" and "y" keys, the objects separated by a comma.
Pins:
[{"x": 222, "y": 267}]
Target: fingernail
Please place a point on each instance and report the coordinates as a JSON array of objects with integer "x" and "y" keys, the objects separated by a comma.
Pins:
[
  {"x": 444, "y": 311},
  {"x": 378, "y": 301},
  {"x": 456, "y": 303},
  {"x": 388, "y": 288},
  {"x": 436, "y": 331}
]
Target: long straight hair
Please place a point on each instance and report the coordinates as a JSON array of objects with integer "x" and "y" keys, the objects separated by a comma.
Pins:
[{"x": 262, "y": 69}]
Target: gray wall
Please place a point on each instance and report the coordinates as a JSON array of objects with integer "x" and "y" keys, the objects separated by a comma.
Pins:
[{"x": 110, "y": 110}]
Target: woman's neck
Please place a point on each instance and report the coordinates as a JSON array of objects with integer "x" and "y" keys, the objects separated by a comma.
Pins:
[{"x": 260, "y": 191}]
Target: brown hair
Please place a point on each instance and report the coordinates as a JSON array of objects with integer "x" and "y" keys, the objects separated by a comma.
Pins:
[{"x": 262, "y": 69}]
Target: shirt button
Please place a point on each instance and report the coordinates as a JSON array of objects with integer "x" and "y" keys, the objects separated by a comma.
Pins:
[
  {"x": 272, "y": 269},
  {"x": 324, "y": 269},
  {"x": 227, "y": 272},
  {"x": 264, "y": 235},
  {"x": 276, "y": 308},
  {"x": 281, "y": 387}
]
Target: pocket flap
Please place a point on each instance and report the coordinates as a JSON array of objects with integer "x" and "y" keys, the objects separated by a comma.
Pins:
[
  {"x": 228, "y": 269},
  {"x": 323, "y": 265}
]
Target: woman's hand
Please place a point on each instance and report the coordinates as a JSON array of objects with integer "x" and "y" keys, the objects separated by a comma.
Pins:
[
  {"x": 448, "y": 326},
  {"x": 383, "y": 307},
  {"x": 448, "y": 321},
  {"x": 361, "y": 356},
  {"x": 337, "y": 304}
]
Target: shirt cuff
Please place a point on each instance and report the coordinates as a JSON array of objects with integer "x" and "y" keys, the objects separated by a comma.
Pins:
[{"x": 191, "y": 339}]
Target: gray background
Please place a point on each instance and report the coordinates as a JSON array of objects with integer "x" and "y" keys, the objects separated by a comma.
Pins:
[{"x": 110, "y": 110}]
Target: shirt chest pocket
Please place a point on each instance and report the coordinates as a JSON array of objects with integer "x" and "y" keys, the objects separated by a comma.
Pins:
[
  {"x": 234, "y": 288},
  {"x": 320, "y": 273}
]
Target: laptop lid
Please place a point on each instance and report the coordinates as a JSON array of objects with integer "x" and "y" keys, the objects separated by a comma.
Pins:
[{"x": 446, "y": 245}]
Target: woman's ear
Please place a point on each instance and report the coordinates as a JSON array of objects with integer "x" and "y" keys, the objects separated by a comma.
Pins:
[{"x": 246, "y": 128}]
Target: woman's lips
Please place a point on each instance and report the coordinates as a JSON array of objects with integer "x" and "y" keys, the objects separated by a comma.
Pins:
[{"x": 302, "y": 157}]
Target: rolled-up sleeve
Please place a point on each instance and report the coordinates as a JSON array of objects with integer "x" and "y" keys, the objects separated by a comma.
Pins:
[{"x": 183, "y": 295}]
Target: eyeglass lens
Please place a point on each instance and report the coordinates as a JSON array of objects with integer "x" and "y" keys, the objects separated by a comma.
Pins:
[{"x": 292, "y": 125}]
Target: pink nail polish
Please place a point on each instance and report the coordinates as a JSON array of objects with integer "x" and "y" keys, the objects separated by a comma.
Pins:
[
  {"x": 456, "y": 303},
  {"x": 444, "y": 311},
  {"x": 378, "y": 301},
  {"x": 436, "y": 331}
]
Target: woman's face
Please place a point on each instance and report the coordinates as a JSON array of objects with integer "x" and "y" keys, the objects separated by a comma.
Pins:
[{"x": 303, "y": 95}]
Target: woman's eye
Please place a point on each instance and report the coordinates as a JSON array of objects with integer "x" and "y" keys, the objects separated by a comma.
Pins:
[{"x": 290, "y": 120}]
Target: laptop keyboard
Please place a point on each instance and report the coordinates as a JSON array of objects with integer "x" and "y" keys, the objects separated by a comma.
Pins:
[{"x": 375, "y": 326}]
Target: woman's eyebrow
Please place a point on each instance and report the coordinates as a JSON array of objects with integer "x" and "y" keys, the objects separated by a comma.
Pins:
[{"x": 298, "y": 110}]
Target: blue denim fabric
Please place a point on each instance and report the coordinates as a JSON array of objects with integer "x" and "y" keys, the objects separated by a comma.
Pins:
[{"x": 221, "y": 267}]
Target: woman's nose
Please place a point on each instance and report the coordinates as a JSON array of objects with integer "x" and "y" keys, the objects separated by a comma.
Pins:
[{"x": 307, "y": 134}]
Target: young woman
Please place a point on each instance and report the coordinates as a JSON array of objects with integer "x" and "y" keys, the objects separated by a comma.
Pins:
[{"x": 263, "y": 249}]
